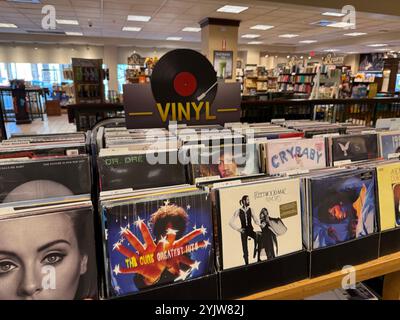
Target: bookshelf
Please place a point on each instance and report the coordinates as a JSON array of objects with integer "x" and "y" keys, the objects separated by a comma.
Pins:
[{"x": 88, "y": 80}]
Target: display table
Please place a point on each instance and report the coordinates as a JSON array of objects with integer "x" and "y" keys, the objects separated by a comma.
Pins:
[{"x": 389, "y": 266}]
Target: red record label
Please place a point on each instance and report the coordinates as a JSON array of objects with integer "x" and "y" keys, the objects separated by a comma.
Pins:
[{"x": 185, "y": 84}]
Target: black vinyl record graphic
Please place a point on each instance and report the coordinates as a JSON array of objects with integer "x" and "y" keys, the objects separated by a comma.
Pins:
[{"x": 184, "y": 75}]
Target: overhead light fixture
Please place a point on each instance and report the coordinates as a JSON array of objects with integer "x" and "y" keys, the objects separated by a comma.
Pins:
[
  {"x": 340, "y": 25},
  {"x": 308, "y": 41},
  {"x": 191, "y": 29},
  {"x": 266, "y": 56},
  {"x": 255, "y": 42},
  {"x": 174, "y": 38},
  {"x": 250, "y": 36},
  {"x": 68, "y": 22},
  {"x": 288, "y": 57},
  {"x": 355, "y": 34},
  {"x": 134, "y": 29},
  {"x": 139, "y": 18},
  {"x": 352, "y": 52},
  {"x": 331, "y": 50},
  {"x": 333, "y": 14},
  {"x": 377, "y": 45},
  {"x": 261, "y": 27},
  {"x": 77, "y": 34},
  {"x": 8, "y": 25},
  {"x": 383, "y": 49},
  {"x": 301, "y": 57},
  {"x": 309, "y": 58},
  {"x": 232, "y": 9},
  {"x": 289, "y": 35}
]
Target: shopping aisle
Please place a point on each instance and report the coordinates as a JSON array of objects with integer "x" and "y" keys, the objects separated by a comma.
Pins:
[{"x": 58, "y": 124}]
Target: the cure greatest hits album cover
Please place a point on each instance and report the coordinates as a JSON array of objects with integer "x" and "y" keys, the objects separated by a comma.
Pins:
[{"x": 158, "y": 242}]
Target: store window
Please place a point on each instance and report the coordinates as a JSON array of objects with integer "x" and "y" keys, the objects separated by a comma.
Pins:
[{"x": 121, "y": 76}]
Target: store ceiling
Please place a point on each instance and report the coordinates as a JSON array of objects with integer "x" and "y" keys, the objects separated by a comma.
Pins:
[{"x": 169, "y": 17}]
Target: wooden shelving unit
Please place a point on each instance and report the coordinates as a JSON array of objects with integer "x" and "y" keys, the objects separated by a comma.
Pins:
[{"x": 388, "y": 266}]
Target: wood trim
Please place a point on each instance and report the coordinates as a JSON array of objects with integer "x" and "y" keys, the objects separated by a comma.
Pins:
[{"x": 389, "y": 264}]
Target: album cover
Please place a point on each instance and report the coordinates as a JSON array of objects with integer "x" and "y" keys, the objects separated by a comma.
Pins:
[
  {"x": 137, "y": 172},
  {"x": 354, "y": 147},
  {"x": 388, "y": 176},
  {"x": 259, "y": 221},
  {"x": 158, "y": 241},
  {"x": 343, "y": 207},
  {"x": 294, "y": 154},
  {"x": 42, "y": 151},
  {"x": 225, "y": 161},
  {"x": 48, "y": 255},
  {"x": 42, "y": 179},
  {"x": 389, "y": 143}
]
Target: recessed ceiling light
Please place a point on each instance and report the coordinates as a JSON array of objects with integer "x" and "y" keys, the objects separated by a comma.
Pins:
[
  {"x": 289, "y": 35},
  {"x": 232, "y": 9},
  {"x": 331, "y": 50},
  {"x": 301, "y": 57},
  {"x": 255, "y": 42},
  {"x": 69, "y": 22},
  {"x": 355, "y": 34},
  {"x": 309, "y": 58},
  {"x": 262, "y": 27},
  {"x": 288, "y": 57},
  {"x": 383, "y": 49},
  {"x": 174, "y": 38},
  {"x": 139, "y": 18},
  {"x": 250, "y": 36},
  {"x": 340, "y": 25},
  {"x": 308, "y": 41},
  {"x": 71, "y": 33},
  {"x": 377, "y": 45},
  {"x": 333, "y": 14},
  {"x": 8, "y": 25},
  {"x": 134, "y": 29},
  {"x": 191, "y": 29}
]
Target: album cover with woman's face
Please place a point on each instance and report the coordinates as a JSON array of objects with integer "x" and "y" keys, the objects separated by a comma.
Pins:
[
  {"x": 158, "y": 242},
  {"x": 48, "y": 256},
  {"x": 225, "y": 161},
  {"x": 259, "y": 221},
  {"x": 343, "y": 207},
  {"x": 354, "y": 147},
  {"x": 43, "y": 179}
]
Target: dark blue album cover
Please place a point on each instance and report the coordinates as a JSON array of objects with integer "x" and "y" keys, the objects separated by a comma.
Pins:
[
  {"x": 158, "y": 242},
  {"x": 343, "y": 207}
]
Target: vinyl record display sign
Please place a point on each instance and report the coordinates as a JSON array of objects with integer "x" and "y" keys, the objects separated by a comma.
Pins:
[{"x": 183, "y": 88}]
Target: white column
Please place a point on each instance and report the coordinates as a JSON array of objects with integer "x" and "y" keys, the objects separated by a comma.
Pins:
[{"x": 111, "y": 60}]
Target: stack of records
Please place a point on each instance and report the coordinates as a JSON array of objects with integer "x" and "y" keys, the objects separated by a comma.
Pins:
[
  {"x": 47, "y": 217},
  {"x": 41, "y": 146},
  {"x": 157, "y": 238}
]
